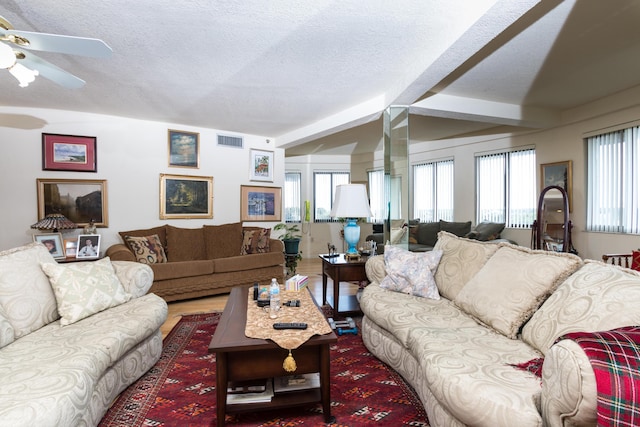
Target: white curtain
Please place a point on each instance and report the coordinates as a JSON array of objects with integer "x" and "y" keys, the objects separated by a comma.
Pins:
[
  {"x": 376, "y": 195},
  {"x": 433, "y": 191},
  {"x": 292, "y": 197}
]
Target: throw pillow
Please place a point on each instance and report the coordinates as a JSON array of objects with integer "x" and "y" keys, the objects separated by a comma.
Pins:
[
  {"x": 411, "y": 273},
  {"x": 256, "y": 241},
  {"x": 486, "y": 231},
  {"x": 397, "y": 234},
  {"x": 458, "y": 228},
  {"x": 635, "y": 260},
  {"x": 85, "y": 288},
  {"x": 147, "y": 249},
  {"x": 427, "y": 233}
]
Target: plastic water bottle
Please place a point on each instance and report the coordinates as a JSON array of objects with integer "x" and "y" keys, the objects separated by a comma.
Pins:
[{"x": 274, "y": 299}]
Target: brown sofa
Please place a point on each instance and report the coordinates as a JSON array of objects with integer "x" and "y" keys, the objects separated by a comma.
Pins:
[{"x": 197, "y": 262}]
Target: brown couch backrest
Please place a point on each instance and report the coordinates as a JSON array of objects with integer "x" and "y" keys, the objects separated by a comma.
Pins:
[
  {"x": 223, "y": 241},
  {"x": 185, "y": 244}
]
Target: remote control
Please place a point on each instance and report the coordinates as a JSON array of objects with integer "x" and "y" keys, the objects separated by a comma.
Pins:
[{"x": 289, "y": 326}]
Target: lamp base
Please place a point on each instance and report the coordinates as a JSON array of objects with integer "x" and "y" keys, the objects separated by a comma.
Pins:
[{"x": 352, "y": 236}]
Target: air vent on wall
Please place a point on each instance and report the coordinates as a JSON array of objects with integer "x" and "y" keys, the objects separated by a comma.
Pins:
[{"x": 230, "y": 141}]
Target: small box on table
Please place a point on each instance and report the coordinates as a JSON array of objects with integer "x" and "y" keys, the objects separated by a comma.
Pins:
[{"x": 296, "y": 283}]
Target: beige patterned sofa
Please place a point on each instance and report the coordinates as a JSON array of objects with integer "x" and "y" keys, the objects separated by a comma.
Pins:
[
  {"x": 73, "y": 338},
  {"x": 500, "y": 305}
]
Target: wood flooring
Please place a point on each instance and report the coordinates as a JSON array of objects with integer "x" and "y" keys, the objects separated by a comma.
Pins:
[{"x": 310, "y": 267}]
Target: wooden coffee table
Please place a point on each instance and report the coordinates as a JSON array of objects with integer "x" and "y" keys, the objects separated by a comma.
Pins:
[
  {"x": 339, "y": 269},
  {"x": 239, "y": 358}
]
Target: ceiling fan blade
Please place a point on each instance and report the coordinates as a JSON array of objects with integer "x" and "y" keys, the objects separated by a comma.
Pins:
[
  {"x": 51, "y": 72},
  {"x": 83, "y": 46}
]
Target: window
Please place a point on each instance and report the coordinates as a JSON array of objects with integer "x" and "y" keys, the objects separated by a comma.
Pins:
[
  {"x": 506, "y": 188},
  {"x": 292, "y": 197},
  {"x": 613, "y": 181},
  {"x": 433, "y": 191},
  {"x": 376, "y": 194},
  {"x": 324, "y": 190}
]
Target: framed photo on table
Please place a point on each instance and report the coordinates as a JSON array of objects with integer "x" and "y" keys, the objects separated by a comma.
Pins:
[
  {"x": 88, "y": 246},
  {"x": 70, "y": 248},
  {"x": 53, "y": 242},
  {"x": 261, "y": 165},
  {"x": 260, "y": 203},
  {"x": 184, "y": 149},
  {"x": 80, "y": 200},
  {"x": 69, "y": 153},
  {"x": 185, "y": 196},
  {"x": 559, "y": 174}
]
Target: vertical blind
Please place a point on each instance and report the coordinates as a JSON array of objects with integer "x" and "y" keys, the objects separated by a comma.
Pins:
[
  {"x": 433, "y": 191},
  {"x": 325, "y": 184},
  {"x": 613, "y": 181},
  {"x": 376, "y": 195},
  {"x": 292, "y": 197}
]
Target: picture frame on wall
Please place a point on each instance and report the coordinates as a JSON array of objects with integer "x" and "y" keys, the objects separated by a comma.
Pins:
[
  {"x": 69, "y": 153},
  {"x": 53, "y": 242},
  {"x": 559, "y": 174},
  {"x": 184, "y": 149},
  {"x": 80, "y": 200},
  {"x": 261, "y": 165},
  {"x": 88, "y": 246},
  {"x": 186, "y": 197},
  {"x": 260, "y": 203}
]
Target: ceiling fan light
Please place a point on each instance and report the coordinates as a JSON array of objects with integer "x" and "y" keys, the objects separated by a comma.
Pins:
[
  {"x": 23, "y": 74},
  {"x": 7, "y": 57}
]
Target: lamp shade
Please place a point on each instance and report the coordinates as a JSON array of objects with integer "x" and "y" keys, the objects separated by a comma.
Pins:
[
  {"x": 351, "y": 201},
  {"x": 55, "y": 222}
]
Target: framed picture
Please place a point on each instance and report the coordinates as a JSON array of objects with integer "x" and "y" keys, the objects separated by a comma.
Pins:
[
  {"x": 70, "y": 248},
  {"x": 261, "y": 165},
  {"x": 88, "y": 246},
  {"x": 184, "y": 149},
  {"x": 80, "y": 200},
  {"x": 184, "y": 196},
  {"x": 560, "y": 174},
  {"x": 53, "y": 242},
  {"x": 260, "y": 203},
  {"x": 69, "y": 153}
]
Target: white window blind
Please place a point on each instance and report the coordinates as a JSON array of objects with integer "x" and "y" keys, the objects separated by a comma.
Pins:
[
  {"x": 613, "y": 181},
  {"x": 376, "y": 195},
  {"x": 292, "y": 197},
  {"x": 506, "y": 188},
  {"x": 325, "y": 184},
  {"x": 433, "y": 191}
]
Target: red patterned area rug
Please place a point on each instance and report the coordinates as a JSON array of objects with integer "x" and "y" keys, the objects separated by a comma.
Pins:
[{"x": 180, "y": 389}]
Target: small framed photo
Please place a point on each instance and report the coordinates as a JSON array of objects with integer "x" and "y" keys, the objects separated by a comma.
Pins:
[
  {"x": 184, "y": 149},
  {"x": 261, "y": 165},
  {"x": 559, "y": 174},
  {"x": 186, "y": 197},
  {"x": 69, "y": 153},
  {"x": 88, "y": 246},
  {"x": 53, "y": 242},
  {"x": 260, "y": 203},
  {"x": 70, "y": 248}
]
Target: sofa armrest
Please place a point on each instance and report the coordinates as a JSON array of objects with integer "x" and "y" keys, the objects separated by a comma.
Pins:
[
  {"x": 375, "y": 269},
  {"x": 136, "y": 278},
  {"x": 120, "y": 252},
  {"x": 569, "y": 395},
  {"x": 276, "y": 245}
]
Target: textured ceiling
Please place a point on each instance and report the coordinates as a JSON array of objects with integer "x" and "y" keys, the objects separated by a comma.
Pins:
[{"x": 315, "y": 76}]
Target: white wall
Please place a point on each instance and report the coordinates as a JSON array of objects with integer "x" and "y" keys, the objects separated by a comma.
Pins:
[{"x": 131, "y": 155}]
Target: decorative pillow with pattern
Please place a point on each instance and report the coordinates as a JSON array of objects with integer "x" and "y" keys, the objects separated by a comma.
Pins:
[
  {"x": 635, "y": 260},
  {"x": 147, "y": 249},
  {"x": 411, "y": 272},
  {"x": 85, "y": 288},
  {"x": 256, "y": 241}
]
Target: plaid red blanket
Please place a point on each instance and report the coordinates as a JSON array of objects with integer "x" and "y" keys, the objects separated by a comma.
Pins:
[{"x": 615, "y": 358}]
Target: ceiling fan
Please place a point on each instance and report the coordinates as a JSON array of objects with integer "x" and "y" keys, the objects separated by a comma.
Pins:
[{"x": 15, "y": 55}]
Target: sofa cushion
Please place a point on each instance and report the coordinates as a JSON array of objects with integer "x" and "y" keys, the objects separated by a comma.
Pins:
[
  {"x": 396, "y": 235},
  {"x": 147, "y": 249},
  {"x": 461, "y": 260},
  {"x": 185, "y": 244},
  {"x": 458, "y": 228},
  {"x": 247, "y": 262},
  {"x": 84, "y": 288},
  {"x": 178, "y": 270},
  {"x": 427, "y": 233},
  {"x": 222, "y": 241},
  {"x": 160, "y": 231},
  {"x": 411, "y": 273},
  {"x": 597, "y": 297},
  {"x": 7, "y": 333},
  {"x": 635, "y": 260},
  {"x": 256, "y": 241},
  {"x": 512, "y": 284},
  {"x": 26, "y": 296},
  {"x": 486, "y": 231}
]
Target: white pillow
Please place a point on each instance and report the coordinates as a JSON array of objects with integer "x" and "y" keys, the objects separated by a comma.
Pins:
[
  {"x": 397, "y": 234},
  {"x": 411, "y": 273},
  {"x": 85, "y": 288}
]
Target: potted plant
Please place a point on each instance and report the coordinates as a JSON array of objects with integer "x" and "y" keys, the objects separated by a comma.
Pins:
[{"x": 290, "y": 238}]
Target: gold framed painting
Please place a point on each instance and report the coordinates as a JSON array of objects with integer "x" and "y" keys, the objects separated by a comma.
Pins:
[
  {"x": 260, "y": 203},
  {"x": 80, "y": 200},
  {"x": 559, "y": 174},
  {"x": 186, "y": 197}
]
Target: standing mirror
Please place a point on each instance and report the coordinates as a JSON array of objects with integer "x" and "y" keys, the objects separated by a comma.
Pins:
[{"x": 551, "y": 230}]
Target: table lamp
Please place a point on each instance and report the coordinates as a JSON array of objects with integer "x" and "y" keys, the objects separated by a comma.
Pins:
[
  {"x": 54, "y": 222},
  {"x": 351, "y": 202}
]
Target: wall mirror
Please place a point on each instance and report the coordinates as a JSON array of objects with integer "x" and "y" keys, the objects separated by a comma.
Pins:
[{"x": 551, "y": 230}]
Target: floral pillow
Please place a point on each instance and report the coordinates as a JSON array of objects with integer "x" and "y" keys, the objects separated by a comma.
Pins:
[
  {"x": 147, "y": 249},
  {"x": 256, "y": 241},
  {"x": 411, "y": 272}
]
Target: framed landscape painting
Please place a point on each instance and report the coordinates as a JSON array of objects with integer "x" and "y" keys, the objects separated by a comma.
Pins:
[
  {"x": 187, "y": 197},
  {"x": 184, "y": 149},
  {"x": 260, "y": 203},
  {"x": 80, "y": 200},
  {"x": 69, "y": 153},
  {"x": 261, "y": 165}
]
